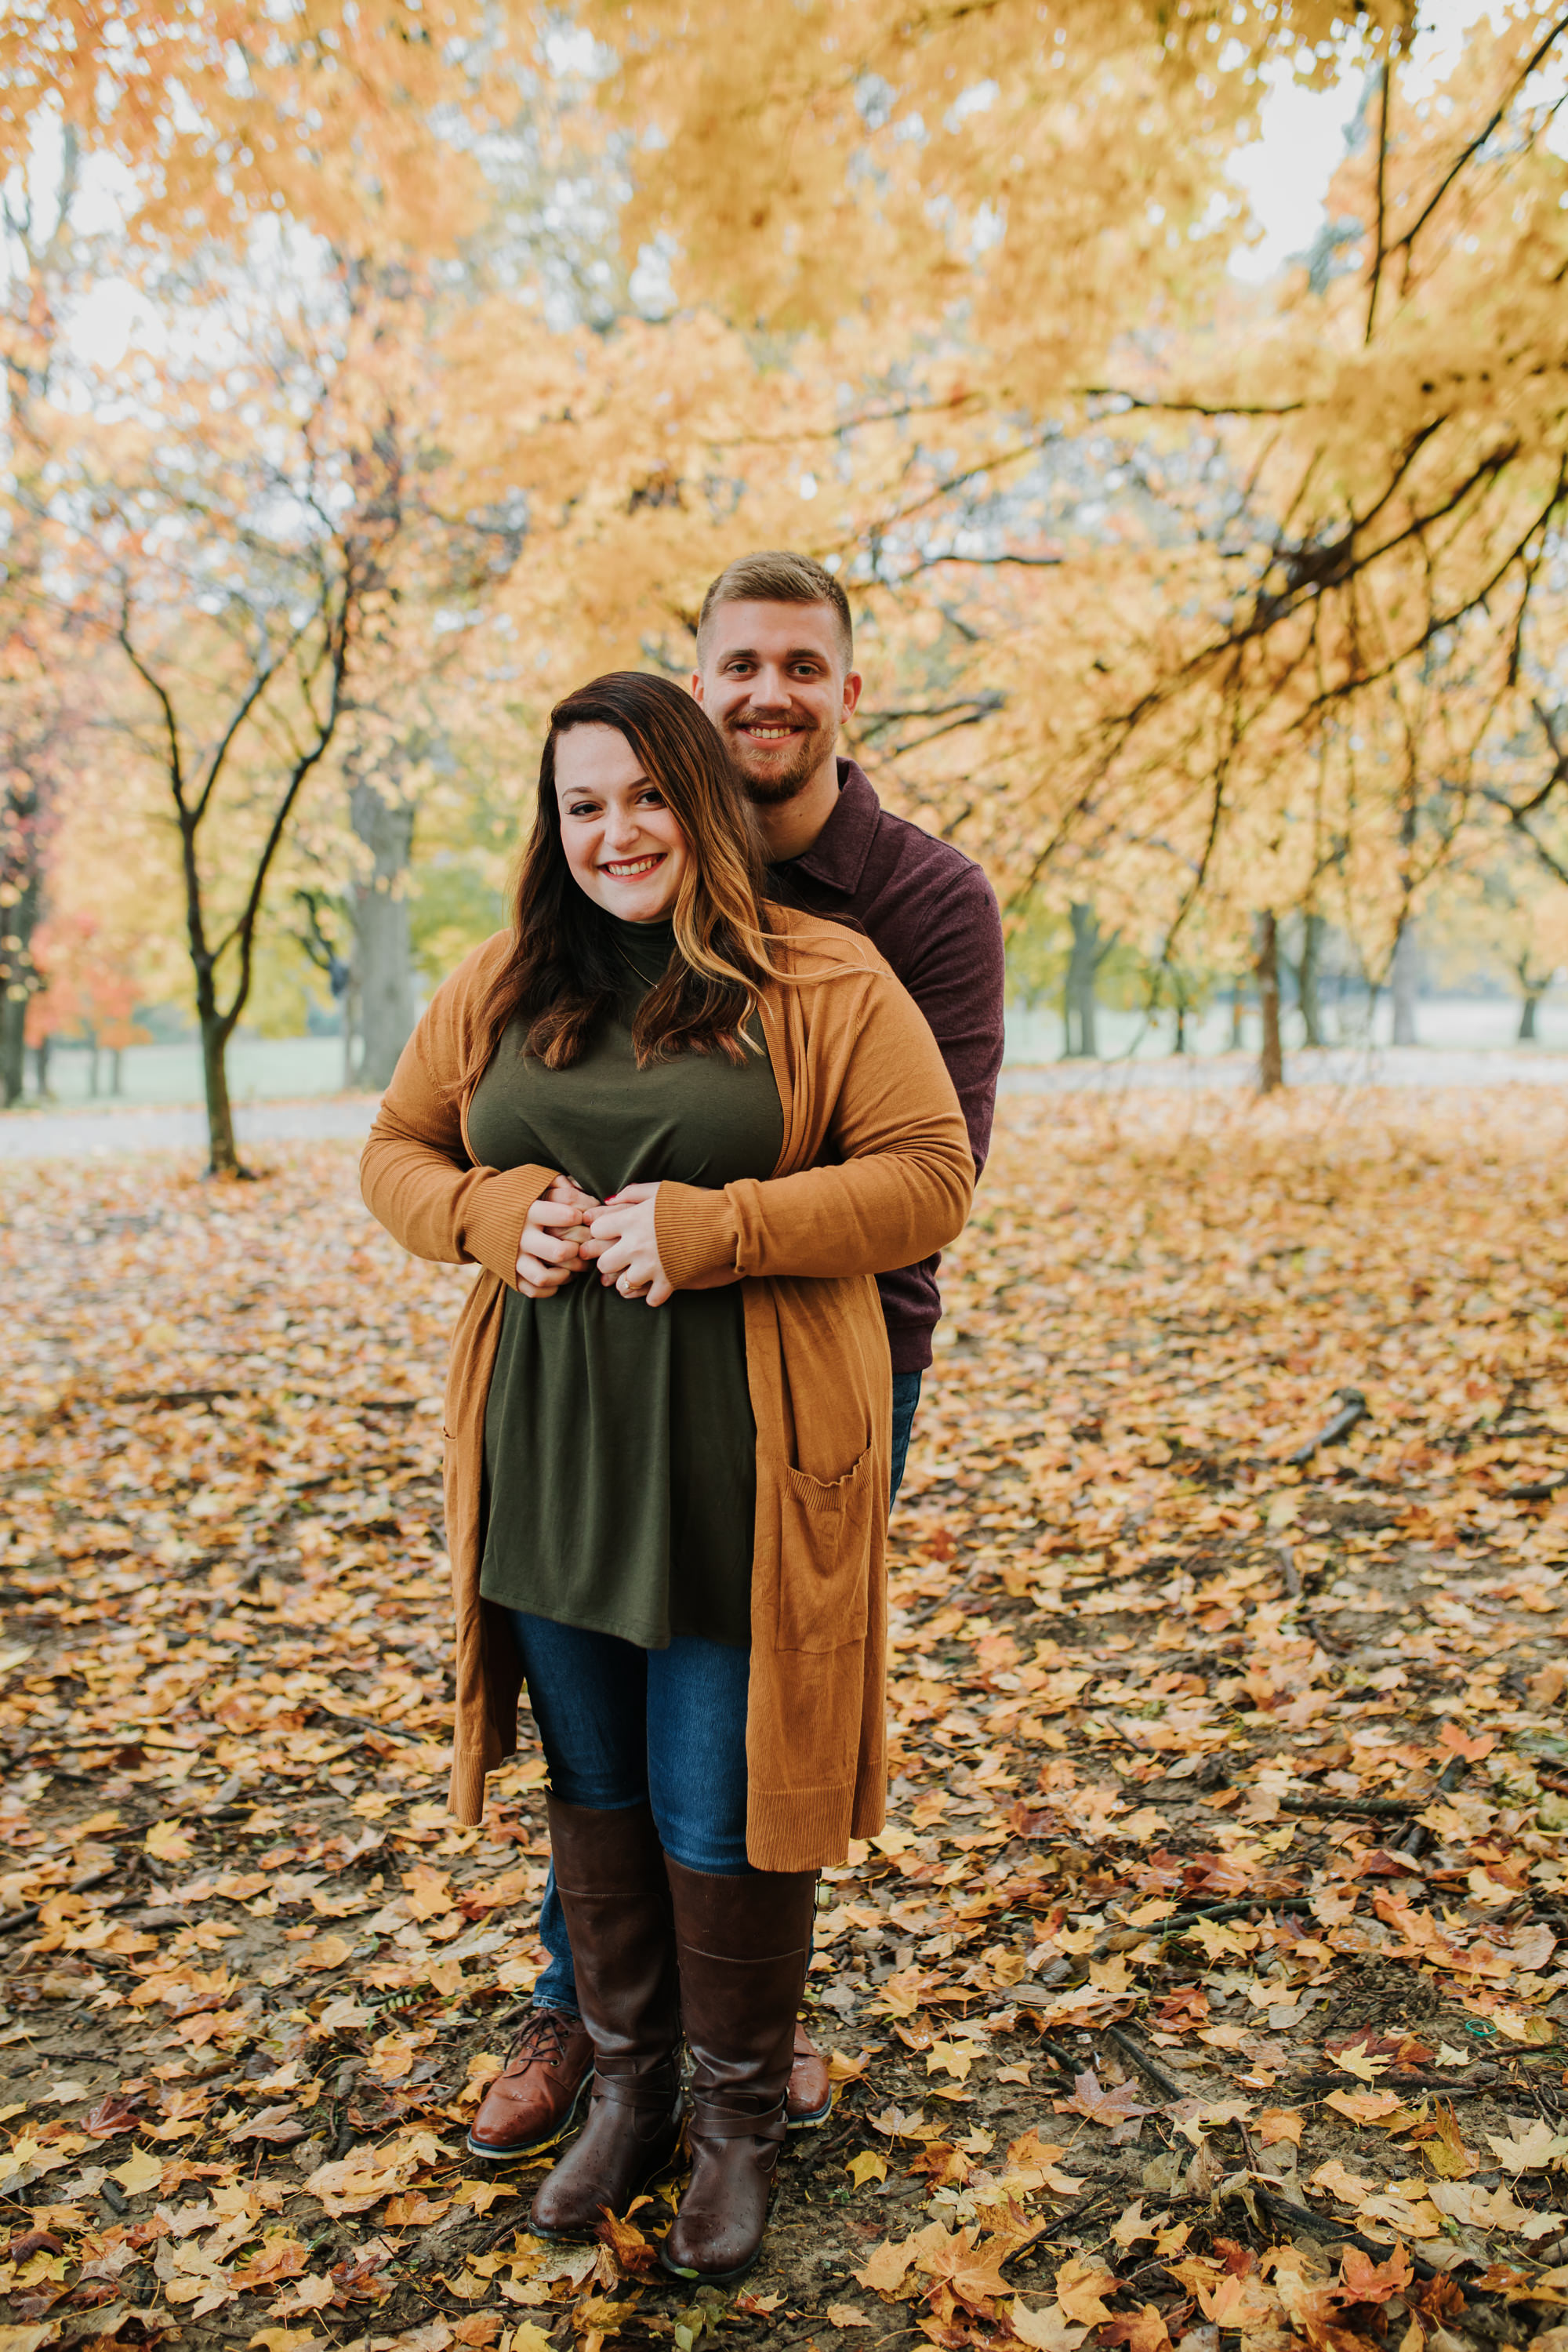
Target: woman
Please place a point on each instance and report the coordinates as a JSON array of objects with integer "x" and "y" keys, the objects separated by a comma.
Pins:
[{"x": 680, "y": 1130}]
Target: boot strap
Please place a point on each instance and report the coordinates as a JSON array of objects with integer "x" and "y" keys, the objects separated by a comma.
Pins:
[
  {"x": 706, "y": 2125},
  {"x": 641, "y": 2093}
]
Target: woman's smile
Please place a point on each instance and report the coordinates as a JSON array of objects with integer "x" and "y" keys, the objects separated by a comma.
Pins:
[{"x": 627, "y": 869}]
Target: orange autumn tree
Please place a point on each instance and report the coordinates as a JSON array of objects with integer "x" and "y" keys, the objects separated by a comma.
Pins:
[
  {"x": 1343, "y": 491},
  {"x": 222, "y": 520},
  {"x": 90, "y": 993}
]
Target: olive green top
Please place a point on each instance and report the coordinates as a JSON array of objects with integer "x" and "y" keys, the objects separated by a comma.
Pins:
[{"x": 620, "y": 1451}]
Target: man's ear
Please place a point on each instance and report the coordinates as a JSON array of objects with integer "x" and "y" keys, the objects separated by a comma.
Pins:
[
  {"x": 697, "y": 684},
  {"x": 852, "y": 686}
]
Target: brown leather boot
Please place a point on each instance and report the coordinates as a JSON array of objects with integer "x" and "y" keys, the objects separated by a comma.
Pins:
[
  {"x": 744, "y": 1946},
  {"x": 810, "y": 2098},
  {"x": 538, "y": 2091},
  {"x": 609, "y": 1872}
]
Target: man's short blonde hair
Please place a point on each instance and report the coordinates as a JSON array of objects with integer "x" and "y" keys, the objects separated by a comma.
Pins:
[{"x": 777, "y": 577}]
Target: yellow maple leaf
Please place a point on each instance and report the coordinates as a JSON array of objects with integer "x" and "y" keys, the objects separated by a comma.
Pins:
[
  {"x": 886, "y": 2266},
  {"x": 141, "y": 2171},
  {"x": 866, "y": 2165},
  {"x": 1080, "y": 2289},
  {"x": 167, "y": 1842},
  {"x": 1357, "y": 2062},
  {"x": 1362, "y": 2106}
]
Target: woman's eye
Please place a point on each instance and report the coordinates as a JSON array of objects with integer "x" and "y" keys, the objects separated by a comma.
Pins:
[{"x": 582, "y": 808}]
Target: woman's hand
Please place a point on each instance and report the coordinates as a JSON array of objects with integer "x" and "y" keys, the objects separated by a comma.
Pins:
[
  {"x": 625, "y": 1247},
  {"x": 553, "y": 1233}
]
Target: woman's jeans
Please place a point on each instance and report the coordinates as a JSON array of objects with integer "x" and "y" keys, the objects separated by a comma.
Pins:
[{"x": 623, "y": 1726}]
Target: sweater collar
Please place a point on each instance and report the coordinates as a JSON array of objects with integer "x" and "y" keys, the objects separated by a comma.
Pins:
[{"x": 837, "y": 856}]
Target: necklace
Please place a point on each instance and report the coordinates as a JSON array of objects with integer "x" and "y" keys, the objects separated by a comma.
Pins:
[{"x": 648, "y": 980}]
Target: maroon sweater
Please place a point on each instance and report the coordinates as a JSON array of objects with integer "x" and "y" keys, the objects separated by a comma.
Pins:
[{"x": 931, "y": 912}]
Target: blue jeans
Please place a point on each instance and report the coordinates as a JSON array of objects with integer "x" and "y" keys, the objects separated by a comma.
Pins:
[
  {"x": 624, "y": 1727},
  {"x": 591, "y": 1705},
  {"x": 905, "y": 1396}
]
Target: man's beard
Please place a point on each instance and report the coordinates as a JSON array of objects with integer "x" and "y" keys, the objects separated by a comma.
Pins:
[{"x": 782, "y": 785}]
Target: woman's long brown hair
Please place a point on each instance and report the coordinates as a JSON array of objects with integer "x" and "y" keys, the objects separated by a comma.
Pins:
[{"x": 566, "y": 970}]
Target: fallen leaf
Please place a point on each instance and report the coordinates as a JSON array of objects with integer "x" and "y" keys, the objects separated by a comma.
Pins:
[
  {"x": 280, "y": 2126},
  {"x": 141, "y": 2171},
  {"x": 1080, "y": 2287},
  {"x": 1044, "y": 2330},
  {"x": 167, "y": 1842}
]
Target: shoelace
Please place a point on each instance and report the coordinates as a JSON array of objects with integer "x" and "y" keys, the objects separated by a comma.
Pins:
[{"x": 551, "y": 2027}]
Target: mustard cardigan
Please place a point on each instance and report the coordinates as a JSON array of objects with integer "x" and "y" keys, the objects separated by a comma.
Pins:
[{"x": 875, "y": 1173}]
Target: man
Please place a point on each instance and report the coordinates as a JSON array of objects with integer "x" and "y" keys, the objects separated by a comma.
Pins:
[{"x": 776, "y": 674}]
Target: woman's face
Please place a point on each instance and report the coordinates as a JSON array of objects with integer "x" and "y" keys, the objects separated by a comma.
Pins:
[{"x": 623, "y": 845}]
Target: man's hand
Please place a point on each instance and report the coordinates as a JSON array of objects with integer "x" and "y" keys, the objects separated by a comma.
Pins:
[
  {"x": 553, "y": 1233},
  {"x": 626, "y": 1248}
]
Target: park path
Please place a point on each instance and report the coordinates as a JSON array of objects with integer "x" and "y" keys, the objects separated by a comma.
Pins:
[{"x": 61, "y": 1134}]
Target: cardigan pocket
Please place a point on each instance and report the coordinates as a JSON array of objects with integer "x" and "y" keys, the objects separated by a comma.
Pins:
[{"x": 824, "y": 1533}]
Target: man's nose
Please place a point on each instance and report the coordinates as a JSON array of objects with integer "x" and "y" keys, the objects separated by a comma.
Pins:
[{"x": 769, "y": 690}]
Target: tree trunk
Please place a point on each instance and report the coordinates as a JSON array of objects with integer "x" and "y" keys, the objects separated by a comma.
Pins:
[
  {"x": 1312, "y": 929},
  {"x": 116, "y": 1070},
  {"x": 21, "y": 904},
  {"x": 351, "y": 1030},
  {"x": 1079, "y": 1040},
  {"x": 13, "y": 1046},
  {"x": 383, "y": 952},
  {"x": 1180, "y": 1047},
  {"x": 41, "y": 1068},
  {"x": 1271, "y": 1067},
  {"x": 1405, "y": 979},
  {"x": 224, "y": 1155},
  {"x": 1238, "y": 1036},
  {"x": 1527, "y": 1016},
  {"x": 93, "y": 1066}
]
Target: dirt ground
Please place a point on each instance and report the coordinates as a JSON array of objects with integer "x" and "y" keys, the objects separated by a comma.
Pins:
[{"x": 1213, "y": 1924}]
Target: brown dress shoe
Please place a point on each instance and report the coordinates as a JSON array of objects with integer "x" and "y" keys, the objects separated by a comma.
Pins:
[
  {"x": 538, "y": 2091},
  {"x": 809, "y": 2101},
  {"x": 744, "y": 1945},
  {"x": 609, "y": 1873}
]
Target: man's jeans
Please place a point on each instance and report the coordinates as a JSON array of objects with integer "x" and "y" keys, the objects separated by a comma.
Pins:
[{"x": 620, "y": 1726}]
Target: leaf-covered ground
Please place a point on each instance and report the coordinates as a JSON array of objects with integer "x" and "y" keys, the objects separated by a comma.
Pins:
[{"x": 1216, "y": 1919}]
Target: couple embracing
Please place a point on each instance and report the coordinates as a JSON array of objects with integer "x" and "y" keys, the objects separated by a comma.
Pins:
[{"x": 703, "y": 1117}]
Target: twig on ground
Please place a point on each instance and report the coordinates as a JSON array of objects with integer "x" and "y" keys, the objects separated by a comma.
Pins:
[
  {"x": 1300, "y": 2217},
  {"x": 1292, "y": 1576},
  {"x": 1420, "y": 1837},
  {"x": 1463, "y": 2086},
  {"x": 1122, "y": 1939},
  {"x": 1353, "y": 1408},
  {"x": 1163, "y": 2083},
  {"x": 20, "y": 1919},
  {"x": 1373, "y": 1809}
]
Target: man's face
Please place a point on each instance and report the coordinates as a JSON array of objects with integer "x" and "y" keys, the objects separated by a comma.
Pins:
[{"x": 774, "y": 683}]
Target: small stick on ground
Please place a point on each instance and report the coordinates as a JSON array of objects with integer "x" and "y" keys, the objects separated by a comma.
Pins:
[
  {"x": 1147, "y": 2066},
  {"x": 1420, "y": 1837}
]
